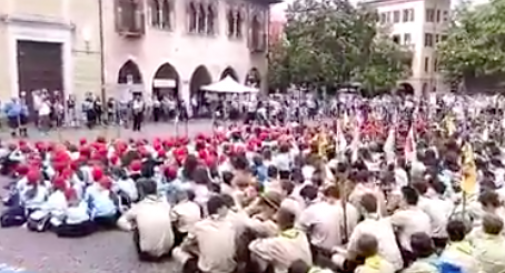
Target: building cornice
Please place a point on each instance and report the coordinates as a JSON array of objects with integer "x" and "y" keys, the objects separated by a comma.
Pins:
[
  {"x": 36, "y": 21},
  {"x": 379, "y": 3},
  {"x": 265, "y": 2}
]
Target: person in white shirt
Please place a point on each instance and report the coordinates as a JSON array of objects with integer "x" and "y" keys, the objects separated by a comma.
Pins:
[
  {"x": 138, "y": 112},
  {"x": 408, "y": 220},
  {"x": 76, "y": 220},
  {"x": 185, "y": 214},
  {"x": 44, "y": 115},
  {"x": 211, "y": 244},
  {"x": 380, "y": 227},
  {"x": 324, "y": 222},
  {"x": 151, "y": 224},
  {"x": 438, "y": 208}
]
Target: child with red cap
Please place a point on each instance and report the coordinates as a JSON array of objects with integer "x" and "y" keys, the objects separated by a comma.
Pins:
[
  {"x": 52, "y": 211},
  {"x": 103, "y": 204},
  {"x": 76, "y": 221}
]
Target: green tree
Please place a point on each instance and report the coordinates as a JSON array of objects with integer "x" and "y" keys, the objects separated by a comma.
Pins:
[
  {"x": 331, "y": 42},
  {"x": 475, "y": 43}
]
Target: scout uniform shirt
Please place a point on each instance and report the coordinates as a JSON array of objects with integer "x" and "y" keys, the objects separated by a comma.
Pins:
[
  {"x": 490, "y": 252},
  {"x": 383, "y": 231},
  {"x": 152, "y": 219},
  {"x": 460, "y": 255},
  {"x": 281, "y": 251}
]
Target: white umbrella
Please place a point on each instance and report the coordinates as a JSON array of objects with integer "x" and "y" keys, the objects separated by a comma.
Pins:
[{"x": 229, "y": 85}]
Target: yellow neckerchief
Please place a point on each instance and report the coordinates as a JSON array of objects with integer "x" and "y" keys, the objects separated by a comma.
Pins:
[
  {"x": 373, "y": 262},
  {"x": 463, "y": 247},
  {"x": 290, "y": 233},
  {"x": 315, "y": 269}
]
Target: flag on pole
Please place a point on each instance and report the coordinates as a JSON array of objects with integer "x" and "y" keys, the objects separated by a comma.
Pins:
[
  {"x": 469, "y": 177},
  {"x": 389, "y": 145},
  {"x": 410, "y": 145},
  {"x": 341, "y": 141}
]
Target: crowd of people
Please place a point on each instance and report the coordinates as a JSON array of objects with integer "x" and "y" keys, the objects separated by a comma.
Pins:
[
  {"x": 48, "y": 110},
  {"x": 396, "y": 185}
]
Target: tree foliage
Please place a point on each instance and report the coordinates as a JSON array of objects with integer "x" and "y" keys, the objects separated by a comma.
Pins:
[
  {"x": 475, "y": 44},
  {"x": 331, "y": 42}
]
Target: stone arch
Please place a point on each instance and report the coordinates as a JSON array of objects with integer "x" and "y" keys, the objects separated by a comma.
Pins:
[
  {"x": 229, "y": 71},
  {"x": 406, "y": 89},
  {"x": 253, "y": 78},
  {"x": 199, "y": 78},
  {"x": 129, "y": 73},
  {"x": 166, "y": 81}
]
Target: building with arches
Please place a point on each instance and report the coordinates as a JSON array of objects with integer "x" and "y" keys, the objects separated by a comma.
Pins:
[{"x": 177, "y": 46}]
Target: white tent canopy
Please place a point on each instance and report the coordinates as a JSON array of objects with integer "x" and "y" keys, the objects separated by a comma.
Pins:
[{"x": 230, "y": 86}]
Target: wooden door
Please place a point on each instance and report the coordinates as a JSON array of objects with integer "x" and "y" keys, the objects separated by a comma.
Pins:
[{"x": 40, "y": 66}]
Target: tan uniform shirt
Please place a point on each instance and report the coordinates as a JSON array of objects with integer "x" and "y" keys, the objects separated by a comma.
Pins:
[
  {"x": 410, "y": 221},
  {"x": 383, "y": 232},
  {"x": 186, "y": 214},
  {"x": 216, "y": 244},
  {"x": 490, "y": 252},
  {"x": 283, "y": 250},
  {"x": 151, "y": 216},
  {"x": 325, "y": 223}
]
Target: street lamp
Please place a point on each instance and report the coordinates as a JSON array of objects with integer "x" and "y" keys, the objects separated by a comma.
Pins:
[{"x": 86, "y": 37}]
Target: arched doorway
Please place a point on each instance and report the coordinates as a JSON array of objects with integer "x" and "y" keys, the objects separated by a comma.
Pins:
[
  {"x": 199, "y": 78},
  {"x": 166, "y": 82},
  {"x": 129, "y": 81},
  {"x": 253, "y": 78},
  {"x": 406, "y": 89},
  {"x": 129, "y": 73},
  {"x": 229, "y": 71}
]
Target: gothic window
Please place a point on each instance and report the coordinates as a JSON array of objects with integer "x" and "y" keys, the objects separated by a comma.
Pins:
[
  {"x": 230, "y": 18},
  {"x": 166, "y": 14},
  {"x": 193, "y": 17},
  {"x": 211, "y": 17},
  {"x": 255, "y": 31},
  {"x": 155, "y": 13},
  {"x": 202, "y": 14},
  {"x": 238, "y": 22}
]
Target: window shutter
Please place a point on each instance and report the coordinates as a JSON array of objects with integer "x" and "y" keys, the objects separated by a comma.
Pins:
[{"x": 118, "y": 16}]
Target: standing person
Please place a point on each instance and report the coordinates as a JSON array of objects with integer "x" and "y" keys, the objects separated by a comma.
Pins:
[
  {"x": 37, "y": 101},
  {"x": 13, "y": 111},
  {"x": 71, "y": 111},
  {"x": 23, "y": 118},
  {"x": 44, "y": 115},
  {"x": 111, "y": 111},
  {"x": 156, "y": 108},
  {"x": 89, "y": 110},
  {"x": 138, "y": 112},
  {"x": 97, "y": 105}
]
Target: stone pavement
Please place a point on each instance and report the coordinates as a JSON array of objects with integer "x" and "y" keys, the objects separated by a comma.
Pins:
[{"x": 148, "y": 131}]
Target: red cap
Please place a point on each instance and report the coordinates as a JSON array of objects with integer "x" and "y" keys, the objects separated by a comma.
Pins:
[
  {"x": 170, "y": 172},
  {"x": 136, "y": 166},
  {"x": 105, "y": 182},
  {"x": 33, "y": 176},
  {"x": 97, "y": 173},
  {"x": 59, "y": 183},
  {"x": 70, "y": 194},
  {"x": 22, "y": 169}
]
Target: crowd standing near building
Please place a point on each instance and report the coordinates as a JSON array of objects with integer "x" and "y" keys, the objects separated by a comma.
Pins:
[{"x": 393, "y": 184}]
